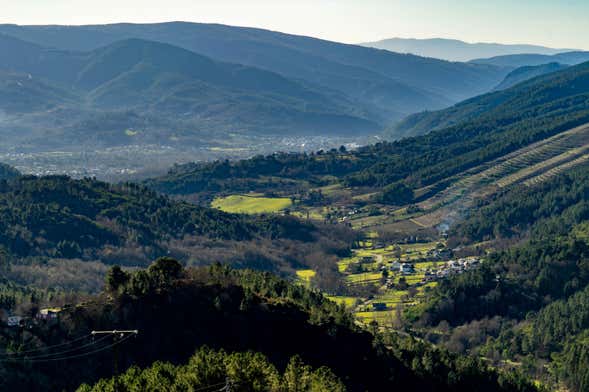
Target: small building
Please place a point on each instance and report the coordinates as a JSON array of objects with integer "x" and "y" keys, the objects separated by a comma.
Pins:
[
  {"x": 407, "y": 268},
  {"x": 379, "y": 306},
  {"x": 395, "y": 266},
  {"x": 14, "y": 321},
  {"x": 48, "y": 313},
  {"x": 367, "y": 259}
]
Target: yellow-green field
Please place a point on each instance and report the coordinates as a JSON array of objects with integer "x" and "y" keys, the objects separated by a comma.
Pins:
[
  {"x": 348, "y": 302},
  {"x": 245, "y": 204},
  {"x": 364, "y": 277},
  {"x": 305, "y": 276}
]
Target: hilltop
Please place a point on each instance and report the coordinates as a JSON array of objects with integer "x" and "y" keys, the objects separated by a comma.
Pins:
[{"x": 456, "y": 50}]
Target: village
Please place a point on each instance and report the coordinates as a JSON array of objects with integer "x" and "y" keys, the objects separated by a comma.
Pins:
[{"x": 395, "y": 278}]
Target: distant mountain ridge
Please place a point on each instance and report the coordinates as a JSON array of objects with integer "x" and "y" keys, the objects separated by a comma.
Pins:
[
  {"x": 386, "y": 86},
  {"x": 522, "y": 74},
  {"x": 165, "y": 85},
  {"x": 456, "y": 50},
  {"x": 520, "y": 60}
]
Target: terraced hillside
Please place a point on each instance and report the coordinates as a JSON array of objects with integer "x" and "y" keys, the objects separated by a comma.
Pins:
[{"x": 530, "y": 165}]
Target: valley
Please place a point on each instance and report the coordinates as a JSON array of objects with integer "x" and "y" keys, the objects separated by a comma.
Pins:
[
  {"x": 138, "y": 160},
  {"x": 204, "y": 207}
]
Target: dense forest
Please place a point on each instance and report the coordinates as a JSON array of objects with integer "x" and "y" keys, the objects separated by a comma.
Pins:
[
  {"x": 234, "y": 311},
  {"x": 209, "y": 369},
  {"x": 53, "y": 226}
]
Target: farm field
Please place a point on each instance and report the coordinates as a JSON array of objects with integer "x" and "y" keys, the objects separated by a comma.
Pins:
[{"x": 251, "y": 204}]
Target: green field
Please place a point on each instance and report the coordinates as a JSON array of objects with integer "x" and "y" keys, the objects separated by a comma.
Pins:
[
  {"x": 245, "y": 204},
  {"x": 348, "y": 302},
  {"x": 304, "y": 276}
]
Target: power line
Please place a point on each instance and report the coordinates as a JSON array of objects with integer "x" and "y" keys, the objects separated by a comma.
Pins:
[
  {"x": 48, "y": 347},
  {"x": 116, "y": 343},
  {"x": 119, "y": 337},
  {"x": 71, "y": 350}
]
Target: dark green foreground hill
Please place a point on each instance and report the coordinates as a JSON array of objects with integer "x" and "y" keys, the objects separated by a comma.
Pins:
[{"x": 177, "y": 311}]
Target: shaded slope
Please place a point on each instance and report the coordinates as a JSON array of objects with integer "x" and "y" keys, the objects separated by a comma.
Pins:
[
  {"x": 22, "y": 93},
  {"x": 571, "y": 82}
]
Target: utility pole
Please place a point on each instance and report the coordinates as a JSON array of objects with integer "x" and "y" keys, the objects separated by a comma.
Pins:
[
  {"x": 228, "y": 385},
  {"x": 117, "y": 335}
]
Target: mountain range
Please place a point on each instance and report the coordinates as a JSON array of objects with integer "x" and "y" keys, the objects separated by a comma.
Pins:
[
  {"x": 456, "y": 50},
  {"x": 520, "y": 60},
  {"x": 223, "y": 79}
]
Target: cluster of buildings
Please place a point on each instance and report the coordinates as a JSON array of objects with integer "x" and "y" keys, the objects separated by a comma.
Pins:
[
  {"x": 452, "y": 267},
  {"x": 46, "y": 314}
]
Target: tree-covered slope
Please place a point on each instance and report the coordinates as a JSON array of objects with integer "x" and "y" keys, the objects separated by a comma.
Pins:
[
  {"x": 502, "y": 104},
  {"x": 533, "y": 284},
  {"x": 59, "y": 218},
  {"x": 160, "y": 81},
  {"x": 178, "y": 311},
  {"x": 522, "y": 74}
]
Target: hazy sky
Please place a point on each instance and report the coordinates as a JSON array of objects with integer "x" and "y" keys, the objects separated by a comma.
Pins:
[{"x": 556, "y": 23}]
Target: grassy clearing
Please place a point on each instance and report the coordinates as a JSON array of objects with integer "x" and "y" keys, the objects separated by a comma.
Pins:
[
  {"x": 305, "y": 276},
  {"x": 384, "y": 317},
  {"x": 245, "y": 204},
  {"x": 348, "y": 302}
]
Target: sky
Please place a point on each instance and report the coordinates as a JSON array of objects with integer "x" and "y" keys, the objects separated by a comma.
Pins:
[{"x": 554, "y": 23}]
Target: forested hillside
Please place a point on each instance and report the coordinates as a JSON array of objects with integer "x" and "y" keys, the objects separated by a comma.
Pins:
[
  {"x": 233, "y": 311},
  {"x": 157, "y": 81},
  {"x": 469, "y": 134},
  {"x": 503, "y": 104},
  {"x": 63, "y": 223},
  {"x": 522, "y": 74},
  {"x": 386, "y": 84}
]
